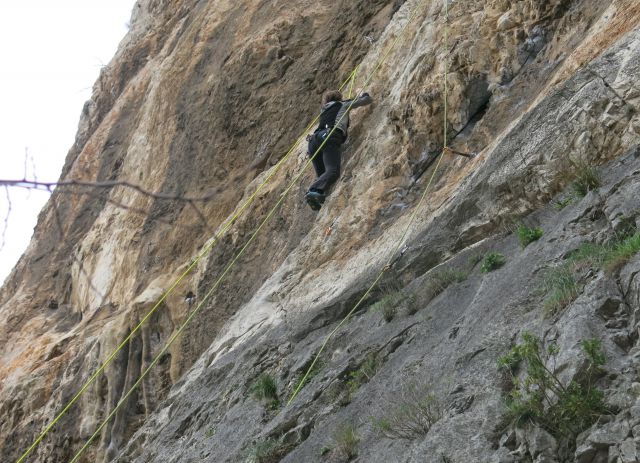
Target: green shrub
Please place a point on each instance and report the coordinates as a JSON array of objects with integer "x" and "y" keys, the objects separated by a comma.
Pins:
[
  {"x": 541, "y": 398},
  {"x": 409, "y": 416},
  {"x": 265, "y": 388},
  {"x": 440, "y": 281},
  {"x": 346, "y": 442},
  {"x": 528, "y": 235},
  {"x": 269, "y": 451},
  {"x": 587, "y": 178},
  {"x": 492, "y": 261}
]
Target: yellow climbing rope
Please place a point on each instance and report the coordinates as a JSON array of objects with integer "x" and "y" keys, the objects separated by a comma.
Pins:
[
  {"x": 195, "y": 311},
  {"x": 401, "y": 242},
  {"x": 202, "y": 254},
  {"x": 353, "y": 81}
]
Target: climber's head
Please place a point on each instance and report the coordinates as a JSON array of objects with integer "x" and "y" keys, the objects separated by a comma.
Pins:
[{"x": 331, "y": 95}]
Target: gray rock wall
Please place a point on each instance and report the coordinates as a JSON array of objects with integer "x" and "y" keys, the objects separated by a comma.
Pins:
[{"x": 193, "y": 104}]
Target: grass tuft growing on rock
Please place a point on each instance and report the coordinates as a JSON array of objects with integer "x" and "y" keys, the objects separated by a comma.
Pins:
[
  {"x": 269, "y": 451},
  {"x": 561, "y": 283},
  {"x": 538, "y": 395},
  {"x": 587, "y": 179},
  {"x": 265, "y": 388},
  {"x": 593, "y": 254},
  {"x": 561, "y": 287},
  {"x": 622, "y": 252},
  {"x": 492, "y": 261},
  {"x": 363, "y": 375},
  {"x": 346, "y": 443},
  {"x": 527, "y": 235},
  {"x": 409, "y": 416},
  {"x": 388, "y": 305},
  {"x": 564, "y": 202},
  {"x": 440, "y": 281},
  {"x": 613, "y": 255},
  {"x": 582, "y": 178}
]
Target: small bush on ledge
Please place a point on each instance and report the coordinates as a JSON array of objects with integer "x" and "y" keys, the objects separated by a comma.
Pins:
[
  {"x": 492, "y": 261},
  {"x": 540, "y": 397},
  {"x": 527, "y": 235}
]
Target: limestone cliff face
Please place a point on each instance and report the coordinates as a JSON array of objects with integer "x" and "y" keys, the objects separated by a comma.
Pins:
[{"x": 202, "y": 100}]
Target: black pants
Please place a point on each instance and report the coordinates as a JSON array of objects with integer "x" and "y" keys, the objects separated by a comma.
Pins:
[{"x": 327, "y": 162}]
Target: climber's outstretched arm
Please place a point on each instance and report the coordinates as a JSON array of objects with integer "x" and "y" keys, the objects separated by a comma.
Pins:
[{"x": 363, "y": 100}]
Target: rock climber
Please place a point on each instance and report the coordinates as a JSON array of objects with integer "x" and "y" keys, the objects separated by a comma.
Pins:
[{"x": 335, "y": 113}]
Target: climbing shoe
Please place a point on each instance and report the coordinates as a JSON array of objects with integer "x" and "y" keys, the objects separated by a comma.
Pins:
[{"x": 315, "y": 199}]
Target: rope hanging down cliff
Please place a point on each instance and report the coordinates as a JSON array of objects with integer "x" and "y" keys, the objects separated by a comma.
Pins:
[
  {"x": 195, "y": 311},
  {"x": 205, "y": 251},
  {"x": 401, "y": 241}
]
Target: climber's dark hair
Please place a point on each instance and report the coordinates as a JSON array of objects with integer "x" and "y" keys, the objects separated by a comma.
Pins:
[{"x": 331, "y": 95}]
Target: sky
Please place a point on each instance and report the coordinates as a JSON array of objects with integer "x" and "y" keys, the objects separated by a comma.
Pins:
[{"x": 50, "y": 55}]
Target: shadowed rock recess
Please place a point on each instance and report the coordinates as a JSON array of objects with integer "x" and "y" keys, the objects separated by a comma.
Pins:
[{"x": 203, "y": 98}]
